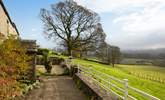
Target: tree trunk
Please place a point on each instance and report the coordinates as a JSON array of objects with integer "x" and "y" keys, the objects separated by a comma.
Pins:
[
  {"x": 113, "y": 62},
  {"x": 81, "y": 54},
  {"x": 69, "y": 47},
  {"x": 113, "y": 65},
  {"x": 69, "y": 51}
]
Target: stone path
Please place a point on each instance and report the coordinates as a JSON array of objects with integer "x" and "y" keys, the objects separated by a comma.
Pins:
[
  {"x": 56, "y": 70},
  {"x": 56, "y": 88}
]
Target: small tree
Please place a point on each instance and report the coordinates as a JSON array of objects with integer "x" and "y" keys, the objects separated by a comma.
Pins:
[
  {"x": 113, "y": 55},
  {"x": 108, "y": 54},
  {"x": 47, "y": 63}
]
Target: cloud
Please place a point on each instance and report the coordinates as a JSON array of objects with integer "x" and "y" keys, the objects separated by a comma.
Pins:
[
  {"x": 145, "y": 28},
  {"x": 33, "y": 29},
  {"x": 148, "y": 20},
  {"x": 135, "y": 24},
  {"x": 110, "y": 5}
]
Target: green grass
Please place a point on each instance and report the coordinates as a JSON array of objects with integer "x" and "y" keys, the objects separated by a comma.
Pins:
[
  {"x": 59, "y": 56},
  {"x": 153, "y": 73},
  {"x": 150, "y": 86}
]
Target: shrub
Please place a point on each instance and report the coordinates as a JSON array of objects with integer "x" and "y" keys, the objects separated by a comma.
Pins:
[
  {"x": 47, "y": 62},
  {"x": 13, "y": 67},
  {"x": 73, "y": 69},
  {"x": 48, "y": 66}
]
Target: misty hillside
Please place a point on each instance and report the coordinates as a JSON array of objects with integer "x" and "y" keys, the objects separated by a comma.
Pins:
[{"x": 145, "y": 54}]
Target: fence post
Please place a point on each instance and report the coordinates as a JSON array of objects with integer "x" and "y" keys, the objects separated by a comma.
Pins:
[
  {"x": 126, "y": 89},
  {"x": 78, "y": 68},
  {"x": 109, "y": 84},
  {"x": 89, "y": 71}
]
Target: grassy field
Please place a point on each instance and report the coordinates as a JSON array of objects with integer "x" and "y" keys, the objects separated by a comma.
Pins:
[
  {"x": 153, "y": 73},
  {"x": 146, "y": 78}
]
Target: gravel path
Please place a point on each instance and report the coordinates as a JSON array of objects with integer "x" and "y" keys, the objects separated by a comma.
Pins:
[
  {"x": 56, "y": 88},
  {"x": 56, "y": 69}
]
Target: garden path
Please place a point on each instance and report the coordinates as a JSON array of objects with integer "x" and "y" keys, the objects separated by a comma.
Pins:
[{"x": 56, "y": 88}]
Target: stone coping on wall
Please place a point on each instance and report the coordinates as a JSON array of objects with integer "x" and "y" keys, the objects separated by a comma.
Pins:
[{"x": 94, "y": 92}]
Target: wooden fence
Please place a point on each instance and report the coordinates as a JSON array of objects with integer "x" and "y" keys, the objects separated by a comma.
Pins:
[{"x": 114, "y": 86}]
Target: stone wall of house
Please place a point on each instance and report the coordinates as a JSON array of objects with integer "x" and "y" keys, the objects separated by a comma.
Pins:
[{"x": 7, "y": 27}]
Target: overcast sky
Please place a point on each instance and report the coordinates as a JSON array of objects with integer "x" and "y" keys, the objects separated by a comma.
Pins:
[{"x": 129, "y": 24}]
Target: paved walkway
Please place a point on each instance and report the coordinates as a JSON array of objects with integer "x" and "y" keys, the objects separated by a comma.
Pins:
[
  {"x": 56, "y": 88},
  {"x": 56, "y": 70}
]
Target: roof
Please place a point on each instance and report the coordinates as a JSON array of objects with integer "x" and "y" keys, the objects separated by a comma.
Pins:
[
  {"x": 28, "y": 41},
  {"x": 5, "y": 10},
  {"x": 13, "y": 24},
  {"x": 30, "y": 45}
]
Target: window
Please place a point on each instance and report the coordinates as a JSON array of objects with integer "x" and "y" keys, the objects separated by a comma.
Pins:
[{"x": 7, "y": 22}]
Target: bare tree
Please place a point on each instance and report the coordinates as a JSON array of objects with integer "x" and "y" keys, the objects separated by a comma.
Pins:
[
  {"x": 113, "y": 55},
  {"x": 95, "y": 43},
  {"x": 103, "y": 52},
  {"x": 71, "y": 23},
  {"x": 109, "y": 54}
]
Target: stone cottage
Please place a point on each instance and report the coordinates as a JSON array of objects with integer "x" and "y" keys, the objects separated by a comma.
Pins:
[{"x": 7, "y": 26}]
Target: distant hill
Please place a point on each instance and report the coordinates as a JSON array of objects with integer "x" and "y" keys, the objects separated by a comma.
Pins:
[
  {"x": 143, "y": 57},
  {"x": 145, "y": 54},
  {"x": 159, "y": 50}
]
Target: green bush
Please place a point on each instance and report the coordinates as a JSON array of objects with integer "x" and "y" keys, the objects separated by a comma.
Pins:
[
  {"x": 47, "y": 62},
  {"x": 13, "y": 67},
  {"x": 48, "y": 66}
]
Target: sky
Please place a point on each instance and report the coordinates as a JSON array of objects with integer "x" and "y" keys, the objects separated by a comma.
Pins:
[{"x": 129, "y": 24}]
